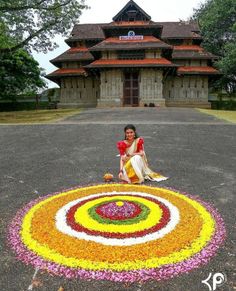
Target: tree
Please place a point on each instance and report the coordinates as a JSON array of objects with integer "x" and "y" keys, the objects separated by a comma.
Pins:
[
  {"x": 217, "y": 21},
  {"x": 19, "y": 74},
  {"x": 32, "y": 24}
]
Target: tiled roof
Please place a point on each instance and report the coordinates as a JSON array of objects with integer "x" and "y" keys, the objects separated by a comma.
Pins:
[
  {"x": 170, "y": 30},
  {"x": 73, "y": 55},
  {"x": 191, "y": 52},
  {"x": 67, "y": 72},
  {"x": 87, "y": 31},
  {"x": 197, "y": 70},
  {"x": 188, "y": 48},
  {"x": 161, "y": 62},
  {"x": 183, "y": 55},
  {"x": 180, "y": 30},
  {"x": 114, "y": 43},
  {"x": 77, "y": 49}
]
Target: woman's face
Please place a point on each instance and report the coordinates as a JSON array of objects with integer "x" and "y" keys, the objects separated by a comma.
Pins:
[{"x": 129, "y": 134}]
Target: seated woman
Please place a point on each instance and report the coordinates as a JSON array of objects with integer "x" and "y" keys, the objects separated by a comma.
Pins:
[{"x": 133, "y": 162}]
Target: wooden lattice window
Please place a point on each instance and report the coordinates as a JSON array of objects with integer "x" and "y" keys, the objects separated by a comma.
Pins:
[{"x": 131, "y": 55}]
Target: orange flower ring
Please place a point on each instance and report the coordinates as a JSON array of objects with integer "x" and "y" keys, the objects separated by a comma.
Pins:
[{"x": 117, "y": 232}]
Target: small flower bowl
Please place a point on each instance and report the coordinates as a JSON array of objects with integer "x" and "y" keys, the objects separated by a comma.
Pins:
[{"x": 108, "y": 177}]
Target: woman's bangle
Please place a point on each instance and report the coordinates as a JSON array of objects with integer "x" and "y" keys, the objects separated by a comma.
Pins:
[{"x": 121, "y": 171}]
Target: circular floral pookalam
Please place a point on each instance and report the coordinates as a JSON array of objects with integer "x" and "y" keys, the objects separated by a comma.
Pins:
[{"x": 117, "y": 232}]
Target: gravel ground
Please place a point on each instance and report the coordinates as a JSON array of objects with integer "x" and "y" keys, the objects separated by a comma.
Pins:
[{"x": 197, "y": 152}]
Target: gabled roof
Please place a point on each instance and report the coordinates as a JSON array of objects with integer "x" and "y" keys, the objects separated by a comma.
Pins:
[{"x": 131, "y": 4}]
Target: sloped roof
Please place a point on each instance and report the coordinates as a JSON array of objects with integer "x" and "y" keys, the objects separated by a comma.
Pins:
[
  {"x": 188, "y": 48},
  {"x": 173, "y": 30},
  {"x": 197, "y": 70},
  {"x": 67, "y": 72},
  {"x": 74, "y": 54},
  {"x": 182, "y": 55},
  {"x": 191, "y": 52},
  {"x": 103, "y": 63},
  {"x": 180, "y": 30},
  {"x": 114, "y": 43},
  {"x": 87, "y": 31}
]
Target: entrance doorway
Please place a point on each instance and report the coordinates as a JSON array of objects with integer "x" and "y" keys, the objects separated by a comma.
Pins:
[{"x": 131, "y": 89}]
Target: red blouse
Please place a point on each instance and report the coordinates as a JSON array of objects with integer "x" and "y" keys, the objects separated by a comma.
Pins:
[{"x": 122, "y": 146}]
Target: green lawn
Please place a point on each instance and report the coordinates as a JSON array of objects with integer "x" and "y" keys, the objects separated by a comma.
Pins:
[
  {"x": 36, "y": 116},
  {"x": 221, "y": 114}
]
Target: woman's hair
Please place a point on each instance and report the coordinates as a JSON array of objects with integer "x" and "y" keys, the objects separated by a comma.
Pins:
[{"x": 131, "y": 126}]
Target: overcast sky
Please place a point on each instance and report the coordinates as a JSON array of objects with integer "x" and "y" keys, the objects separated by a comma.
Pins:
[{"x": 104, "y": 10}]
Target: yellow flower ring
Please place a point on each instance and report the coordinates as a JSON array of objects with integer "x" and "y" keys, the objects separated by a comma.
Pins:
[{"x": 117, "y": 232}]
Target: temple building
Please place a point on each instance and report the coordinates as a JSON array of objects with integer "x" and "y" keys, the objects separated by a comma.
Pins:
[{"x": 134, "y": 61}]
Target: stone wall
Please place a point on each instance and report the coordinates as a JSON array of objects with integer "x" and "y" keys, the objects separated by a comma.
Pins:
[
  {"x": 111, "y": 88},
  {"x": 150, "y": 87},
  {"x": 189, "y": 91},
  {"x": 79, "y": 92}
]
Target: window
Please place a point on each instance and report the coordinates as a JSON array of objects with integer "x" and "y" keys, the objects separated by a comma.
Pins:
[{"x": 131, "y": 55}]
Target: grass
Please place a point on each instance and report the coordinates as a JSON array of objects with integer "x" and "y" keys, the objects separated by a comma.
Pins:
[
  {"x": 36, "y": 116},
  {"x": 221, "y": 114}
]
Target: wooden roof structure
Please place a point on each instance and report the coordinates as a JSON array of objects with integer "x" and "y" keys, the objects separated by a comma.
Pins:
[{"x": 89, "y": 41}]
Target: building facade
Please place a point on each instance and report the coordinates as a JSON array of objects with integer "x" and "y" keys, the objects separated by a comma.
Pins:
[{"x": 134, "y": 61}]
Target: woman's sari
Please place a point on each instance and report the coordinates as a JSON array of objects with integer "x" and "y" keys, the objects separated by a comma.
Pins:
[{"x": 136, "y": 169}]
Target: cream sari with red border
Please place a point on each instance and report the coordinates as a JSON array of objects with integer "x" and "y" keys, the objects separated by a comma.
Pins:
[{"x": 136, "y": 169}]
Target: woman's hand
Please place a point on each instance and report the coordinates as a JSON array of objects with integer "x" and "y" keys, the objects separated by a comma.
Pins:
[{"x": 120, "y": 174}]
